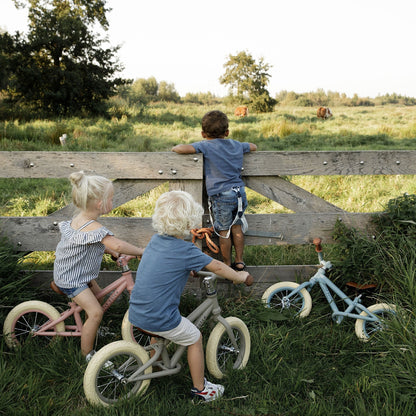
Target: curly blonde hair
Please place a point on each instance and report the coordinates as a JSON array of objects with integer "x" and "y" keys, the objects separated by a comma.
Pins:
[
  {"x": 176, "y": 214},
  {"x": 89, "y": 188}
]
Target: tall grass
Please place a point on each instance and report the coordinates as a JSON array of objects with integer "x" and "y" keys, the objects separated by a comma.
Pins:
[
  {"x": 297, "y": 367},
  {"x": 311, "y": 366},
  {"x": 161, "y": 125}
]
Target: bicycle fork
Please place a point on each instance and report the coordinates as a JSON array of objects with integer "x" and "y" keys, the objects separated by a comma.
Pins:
[{"x": 230, "y": 333}]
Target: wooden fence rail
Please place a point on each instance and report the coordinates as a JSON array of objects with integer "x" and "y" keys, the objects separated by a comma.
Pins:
[{"x": 264, "y": 172}]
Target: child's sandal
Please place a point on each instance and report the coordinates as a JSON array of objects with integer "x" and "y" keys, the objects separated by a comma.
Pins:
[{"x": 239, "y": 269}]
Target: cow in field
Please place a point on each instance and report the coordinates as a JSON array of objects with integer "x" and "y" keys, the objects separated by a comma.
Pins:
[
  {"x": 324, "y": 113},
  {"x": 241, "y": 111}
]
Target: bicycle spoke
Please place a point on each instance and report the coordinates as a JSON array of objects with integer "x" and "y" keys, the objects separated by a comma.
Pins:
[
  {"x": 112, "y": 383},
  {"x": 226, "y": 351},
  {"x": 280, "y": 301},
  {"x": 28, "y": 325}
]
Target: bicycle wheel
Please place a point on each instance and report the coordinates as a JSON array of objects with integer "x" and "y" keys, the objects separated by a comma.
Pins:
[
  {"x": 220, "y": 351},
  {"x": 25, "y": 319},
  {"x": 132, "y": 334},
  {"x": 298, "y": 305},
  {"x": 105, "y": 384},
  {"x": 365, "y": 329}
]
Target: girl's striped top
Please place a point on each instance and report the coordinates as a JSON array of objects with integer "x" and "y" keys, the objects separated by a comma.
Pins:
[{"x": 78, "y": 255}]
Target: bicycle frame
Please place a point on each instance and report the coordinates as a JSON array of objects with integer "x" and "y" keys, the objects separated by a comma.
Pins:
[
  {"x": 125, "y": 281},
  {"x": 326, "y": 286},
  {"x": 170, "y": 364}
]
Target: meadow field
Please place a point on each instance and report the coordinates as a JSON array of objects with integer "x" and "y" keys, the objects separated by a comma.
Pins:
[
  {"x": 159, "y": 127},
  {"x": 162, "y": 125},
  {"x": 297, "y": 367}
]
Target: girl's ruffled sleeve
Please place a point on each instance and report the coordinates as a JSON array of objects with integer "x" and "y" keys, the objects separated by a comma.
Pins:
[{"x": 91, "y": 237}]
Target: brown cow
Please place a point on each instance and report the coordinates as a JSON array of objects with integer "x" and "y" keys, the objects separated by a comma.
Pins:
[
  {"x": 324, "y": 112},
  {"x": 241, "y": 111}
]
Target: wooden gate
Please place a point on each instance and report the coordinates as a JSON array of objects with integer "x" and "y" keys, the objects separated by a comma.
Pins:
[{"x": 264, "y": 172}]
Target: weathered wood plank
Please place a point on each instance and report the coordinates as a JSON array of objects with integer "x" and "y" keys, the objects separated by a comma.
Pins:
[
  {"x": 289, "y": 195},
  {"x": 140, "y": 165},
  {"x": 114, "y": 165},
  {"x": 282, "y": 229},
  {"x": 304, "y": 227},
  {"x": 367, "y": 162},
  {"x": 42, "y": 233}
]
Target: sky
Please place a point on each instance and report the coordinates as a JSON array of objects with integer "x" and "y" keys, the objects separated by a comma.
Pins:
[{"x": 364, "y": 47}]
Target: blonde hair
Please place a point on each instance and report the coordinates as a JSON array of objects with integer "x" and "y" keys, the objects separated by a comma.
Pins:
[
  {"x": 176, "y": 213},
  {"x": 89, "y": 188}
]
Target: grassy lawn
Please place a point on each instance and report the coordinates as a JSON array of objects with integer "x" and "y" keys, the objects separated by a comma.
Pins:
[{"x": 297, "y": 367}]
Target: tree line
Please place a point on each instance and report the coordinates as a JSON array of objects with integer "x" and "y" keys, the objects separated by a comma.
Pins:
[{"x": 61, "y": 67}]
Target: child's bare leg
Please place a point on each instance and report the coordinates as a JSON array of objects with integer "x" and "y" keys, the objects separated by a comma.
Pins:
[
  {"x": 94, "y": 313},
  {"x": 153, "y": 340},
  {"x": 95, "y": 288},
  {"x": 196, "y": 364},
  {"x": 225, "y": 247},
  {"x": 238, "y": 240}
]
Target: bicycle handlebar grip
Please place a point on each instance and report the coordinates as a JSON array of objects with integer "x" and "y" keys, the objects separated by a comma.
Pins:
[
  {"x": 317, "y": 242},
  {"x": 249, "y": 280}
]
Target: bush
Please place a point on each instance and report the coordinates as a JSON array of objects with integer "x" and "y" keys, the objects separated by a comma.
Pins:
[
  {"x": 389, "y": 257},
  {"x": 262, "y": 103},
  {"x": 167, "y": 92}
]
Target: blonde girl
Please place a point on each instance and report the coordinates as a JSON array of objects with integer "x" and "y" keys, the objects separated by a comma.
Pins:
[{"x": 80, "y": 251}]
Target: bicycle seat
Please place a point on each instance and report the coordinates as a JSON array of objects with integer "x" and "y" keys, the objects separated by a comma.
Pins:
[
  {"x": 56, "y": 289},
  {"x": 148, "y": 333}
]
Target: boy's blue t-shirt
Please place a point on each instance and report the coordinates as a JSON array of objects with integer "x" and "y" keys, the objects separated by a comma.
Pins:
[
  {"x": 161, "y": 277},
  {"x": 223, "y": 160}
]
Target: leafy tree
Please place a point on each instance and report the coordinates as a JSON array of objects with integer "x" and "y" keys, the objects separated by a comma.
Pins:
[
  {"x": 247, "y": 81},
  {"x": 6, "y": 49},
  {"x": 144, "y": 90},
  {"x": 167, "y": 92},
  {"x": 62, "y": 66}
]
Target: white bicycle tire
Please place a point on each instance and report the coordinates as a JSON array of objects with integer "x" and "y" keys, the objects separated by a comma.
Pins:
[
  {"x": 212, "y": 348},
  {"x": 92, "y": 373},
  {"x": 277, "y": 287},
  {"x": 360, "y": 324},
  {"x": 24, "y": 308}
]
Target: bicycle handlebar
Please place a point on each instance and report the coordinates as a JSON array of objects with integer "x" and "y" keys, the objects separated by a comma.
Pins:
[
  {"x": 248, "y": 282},
  {"x": 317, "y": 242}
]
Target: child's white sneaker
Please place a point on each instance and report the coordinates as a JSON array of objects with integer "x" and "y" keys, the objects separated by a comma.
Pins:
[{"x": 210, "y": 392}]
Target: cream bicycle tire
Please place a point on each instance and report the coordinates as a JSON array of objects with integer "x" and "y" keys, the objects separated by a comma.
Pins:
[
  {"x": 284, "y": 288},
  {"x": 35, "y": 313},
  {"x": 218, "y": 354},
  {"x": 126, "y": 357},
  {"x": 361, "y": 330}
]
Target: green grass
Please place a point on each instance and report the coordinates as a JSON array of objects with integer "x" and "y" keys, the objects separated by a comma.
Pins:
[
  {"x": 160, "y": 126},
  {"x": 297, "y": 367}
]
